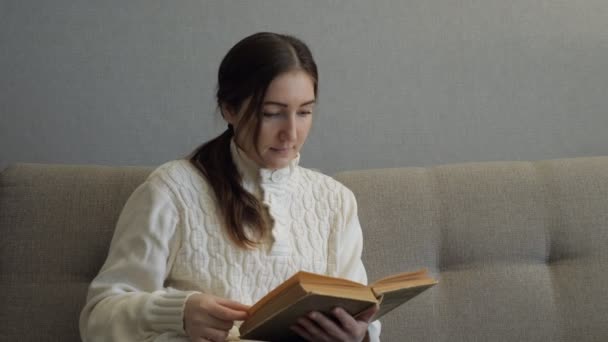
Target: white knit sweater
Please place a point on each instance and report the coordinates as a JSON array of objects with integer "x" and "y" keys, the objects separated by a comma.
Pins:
[{"x": 169, "y": 242}]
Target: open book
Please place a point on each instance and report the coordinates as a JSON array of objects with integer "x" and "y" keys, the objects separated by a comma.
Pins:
[{"x": 270, "y": 318}]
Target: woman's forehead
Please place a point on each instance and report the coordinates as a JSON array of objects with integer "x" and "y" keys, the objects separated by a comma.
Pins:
[{"x": 295, "y": 87}]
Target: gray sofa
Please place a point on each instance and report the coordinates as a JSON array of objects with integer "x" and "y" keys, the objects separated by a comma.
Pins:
[{"x": 520, "y": 248}]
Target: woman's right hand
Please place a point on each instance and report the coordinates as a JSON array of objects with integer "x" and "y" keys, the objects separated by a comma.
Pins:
[{"x": 209, "y": 318}]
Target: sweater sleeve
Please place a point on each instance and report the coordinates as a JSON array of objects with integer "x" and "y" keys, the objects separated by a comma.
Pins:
[
  {"x": 127, "y": 300},
  {"x": 349, "y": 246}
]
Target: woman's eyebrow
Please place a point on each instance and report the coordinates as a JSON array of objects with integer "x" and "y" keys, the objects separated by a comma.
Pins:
[{"x": 285, "y": 104}]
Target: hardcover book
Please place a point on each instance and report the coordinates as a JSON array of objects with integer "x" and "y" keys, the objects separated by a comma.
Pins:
[{"x": 270, "y": 318}]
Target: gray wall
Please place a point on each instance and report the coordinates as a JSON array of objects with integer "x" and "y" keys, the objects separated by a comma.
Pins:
[{"x": 403, "y": 83}]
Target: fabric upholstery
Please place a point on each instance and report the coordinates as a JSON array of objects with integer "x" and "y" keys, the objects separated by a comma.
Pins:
[
  {"x": 520, "y": 248},
  {"x": 56, "y": 223}
]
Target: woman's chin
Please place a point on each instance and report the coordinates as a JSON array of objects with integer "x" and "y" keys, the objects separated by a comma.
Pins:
[{"x": 277, "y": 163}]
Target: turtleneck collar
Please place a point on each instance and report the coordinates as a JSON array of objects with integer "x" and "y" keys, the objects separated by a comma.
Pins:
[
  {"x": 268, "y": 185},
  {"x": 251, "y": 172}
]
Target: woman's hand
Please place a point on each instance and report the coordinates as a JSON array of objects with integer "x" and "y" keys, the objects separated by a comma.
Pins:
[
  {"x": 344, "y": 328},
  {"x": 209, "y": 318}
]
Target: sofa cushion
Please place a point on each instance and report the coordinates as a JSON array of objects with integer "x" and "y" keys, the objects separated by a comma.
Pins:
[
  {"x": 56, "y": 222},
  {"x": 520, "y": 248}
]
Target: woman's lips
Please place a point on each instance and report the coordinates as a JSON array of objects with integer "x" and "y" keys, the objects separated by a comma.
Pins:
[{"x": 281, "y": 150}]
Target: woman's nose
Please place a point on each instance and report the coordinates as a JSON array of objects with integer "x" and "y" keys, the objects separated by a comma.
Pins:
[{"x": 289, "y": 129}]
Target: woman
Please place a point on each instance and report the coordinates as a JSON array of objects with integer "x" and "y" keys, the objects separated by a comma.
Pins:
[{"x": 202, "y": 239}]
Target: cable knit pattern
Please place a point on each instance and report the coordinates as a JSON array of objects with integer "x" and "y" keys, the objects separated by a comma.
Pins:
[
  {"x": 314, "y": 228},
  {"x": 297, "y": 199}
]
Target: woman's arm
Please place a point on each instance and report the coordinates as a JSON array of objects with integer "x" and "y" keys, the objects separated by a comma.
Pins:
[{"x": 127, "y": 300}]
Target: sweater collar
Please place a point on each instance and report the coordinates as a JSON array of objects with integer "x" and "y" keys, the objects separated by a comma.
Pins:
[{"x": 251, "y": 172}]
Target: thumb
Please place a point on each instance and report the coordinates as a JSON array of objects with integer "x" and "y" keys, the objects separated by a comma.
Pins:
[{"x": 367, "y": 315}]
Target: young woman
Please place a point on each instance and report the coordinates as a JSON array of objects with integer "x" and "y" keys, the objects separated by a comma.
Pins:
[{"x": 205, "y": 237}]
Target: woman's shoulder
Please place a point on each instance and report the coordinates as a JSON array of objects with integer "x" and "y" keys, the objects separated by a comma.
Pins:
[
  {"x": 315, "y": 179},
  {"x": 177, "y": 173}
]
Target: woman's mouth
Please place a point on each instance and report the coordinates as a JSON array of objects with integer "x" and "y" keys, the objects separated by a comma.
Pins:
[{"x": 280, "y": 150}]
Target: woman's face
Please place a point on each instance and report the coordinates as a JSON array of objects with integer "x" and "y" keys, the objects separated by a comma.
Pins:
[{"x": 286, "y": 120}]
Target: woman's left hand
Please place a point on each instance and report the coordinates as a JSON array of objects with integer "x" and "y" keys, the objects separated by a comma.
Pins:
[{"x": 344, "y": 328}]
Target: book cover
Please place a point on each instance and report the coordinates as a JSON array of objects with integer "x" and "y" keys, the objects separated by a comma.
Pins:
[{"x": 270, "y": 318}]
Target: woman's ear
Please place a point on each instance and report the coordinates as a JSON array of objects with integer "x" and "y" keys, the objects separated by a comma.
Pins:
[{"x": 229, "y": 114}]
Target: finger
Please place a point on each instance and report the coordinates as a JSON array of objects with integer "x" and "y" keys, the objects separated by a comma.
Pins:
[
  {"x": 329, "y": 326},
  {"x": 310, "y": 327},
  {"x": 348, "y": 322},
  {"x": 301, "y": 332},
  {"x": 233, "y": 305},
  {"x": 227, "y": 314},
  {"x": 219, "y": 324},
  {"x": 368, "y": 314}
]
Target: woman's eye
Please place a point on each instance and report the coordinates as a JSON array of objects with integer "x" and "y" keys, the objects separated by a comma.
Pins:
[
  {"x": 305, "y": 112},
  {"x": 271, "y": 115}
]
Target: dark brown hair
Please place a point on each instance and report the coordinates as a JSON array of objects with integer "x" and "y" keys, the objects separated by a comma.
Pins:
[{"x": 245, "y": 73}]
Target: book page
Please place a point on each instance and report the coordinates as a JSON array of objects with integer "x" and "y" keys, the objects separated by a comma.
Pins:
[
  {"x": 319, "y": 279},
  {"x": 383, "y": 288},
  {"x": 402, "y": 277},
  {"x": 391, "y": 300},
  {"x": 310, "y": 282}
]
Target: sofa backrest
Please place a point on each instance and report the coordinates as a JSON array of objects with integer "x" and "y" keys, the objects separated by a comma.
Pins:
[
  {"x": 56, "y": 223},
  {"x": 520, "y": 248}
]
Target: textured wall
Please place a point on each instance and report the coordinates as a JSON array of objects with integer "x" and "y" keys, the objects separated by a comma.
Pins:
[{"x": 403, "y": 83}]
